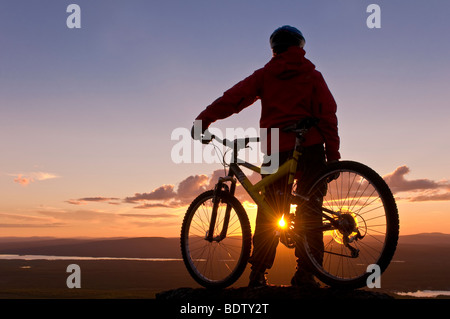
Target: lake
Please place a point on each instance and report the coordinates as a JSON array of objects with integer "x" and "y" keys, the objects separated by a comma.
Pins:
[{"x": 46, "y": 257}]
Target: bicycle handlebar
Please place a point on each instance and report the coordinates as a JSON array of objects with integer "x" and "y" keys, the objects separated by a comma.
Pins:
[
  {"x": 238, "y": 144},
  {"x": 300, "y": 127}
]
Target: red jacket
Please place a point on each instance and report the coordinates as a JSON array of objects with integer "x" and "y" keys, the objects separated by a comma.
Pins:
[{"x": 290, "y": 88}]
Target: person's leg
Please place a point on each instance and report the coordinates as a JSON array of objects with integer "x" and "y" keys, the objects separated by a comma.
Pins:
[
  {"x": 265, "y": 243},
  {"x": 308, "y": 219},
  {"x": 307, "y": 216},
  {"x": 265, "y": 238}
]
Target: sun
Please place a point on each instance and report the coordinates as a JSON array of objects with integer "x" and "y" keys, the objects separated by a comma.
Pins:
[{"x": 282, "y": 222}]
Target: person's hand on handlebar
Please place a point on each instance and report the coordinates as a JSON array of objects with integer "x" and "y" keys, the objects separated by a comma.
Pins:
[
  {"x": 201, "y": 133},
  {"x": 334, "y": 176}
]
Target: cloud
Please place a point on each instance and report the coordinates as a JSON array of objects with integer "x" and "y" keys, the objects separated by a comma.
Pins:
[
  {"x": 80, "y": 216},
  {"x": 397, "y": 182},
  {"x": 154, "y": 205},
  {"x": 75, "y": 202},
  {"x": 192, "y": 185},
  {"x": 32, "y": 225},
  {"x": 42, "y": 176},
  {"x": 433, "y": 196},
  {"x": 161, "y": 193},
  {"x": 21, "y": 217},
  {"x": 149, "y": 216},
  {"x": 25, "y": 179},
  {"x": 169, "y": 196},
  {"x": 88, "y": 221},
  {"x": 422, "y": 189},
  {"x": 27, "y": 221},
  {"x": 152, "y": 220},
  {"x": 98, "y": 199},
  {"x": 82, "y": 201},
  {"x": 172, "y": 196}
]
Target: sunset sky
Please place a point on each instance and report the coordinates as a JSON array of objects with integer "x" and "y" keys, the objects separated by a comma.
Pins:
[{"x": 87, "y": 115}]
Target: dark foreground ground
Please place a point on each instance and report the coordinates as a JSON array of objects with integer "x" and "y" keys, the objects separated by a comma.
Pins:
[
  {"x": 419, "y": 264},
  {"x": 99, "y": 279},
  {"x": 275, "y": 293},
  {"x": 124, "y": 279}
]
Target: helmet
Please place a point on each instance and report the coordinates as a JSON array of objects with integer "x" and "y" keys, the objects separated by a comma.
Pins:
[{"x": 284, "y": 37}]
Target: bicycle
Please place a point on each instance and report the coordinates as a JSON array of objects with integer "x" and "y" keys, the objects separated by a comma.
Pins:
[{"x": 360, "y": 223}]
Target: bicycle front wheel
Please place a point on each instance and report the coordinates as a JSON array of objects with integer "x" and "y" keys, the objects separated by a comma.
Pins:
[
  {"x": 215, "y": 261},
  {"x": 359, "y": 227}
]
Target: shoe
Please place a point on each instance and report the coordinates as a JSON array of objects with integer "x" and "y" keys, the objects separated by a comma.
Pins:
[
  {"x": 304, "y": 279},
  {"x": 257, "y": 279}
]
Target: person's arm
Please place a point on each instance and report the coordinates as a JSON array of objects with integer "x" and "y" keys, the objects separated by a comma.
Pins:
[
  {"x": 328, "y": 125},
  {"x": 233, "y": 100}
]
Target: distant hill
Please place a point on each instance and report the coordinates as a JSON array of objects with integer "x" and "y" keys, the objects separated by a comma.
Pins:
[
  {"x": 435, "y": 239},
  {"x": 146, "y": 247}
]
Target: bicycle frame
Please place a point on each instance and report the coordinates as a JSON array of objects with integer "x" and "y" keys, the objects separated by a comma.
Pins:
[{"x": 256, "y": 191}]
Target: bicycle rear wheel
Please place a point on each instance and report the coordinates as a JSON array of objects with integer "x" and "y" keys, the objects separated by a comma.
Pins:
[
  {"x": 363, "y": 230},
  {"x": 216, "y": 262}
]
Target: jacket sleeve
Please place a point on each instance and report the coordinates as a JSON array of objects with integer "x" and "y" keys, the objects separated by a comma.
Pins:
[
  {"x": 325, "y": 109},
  {"x": 234, "y": 100}
]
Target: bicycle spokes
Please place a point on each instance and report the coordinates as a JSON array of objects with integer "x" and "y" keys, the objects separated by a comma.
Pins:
[
  {"x": 215, "y": 239},
  {"x": 353, "y": 224}
]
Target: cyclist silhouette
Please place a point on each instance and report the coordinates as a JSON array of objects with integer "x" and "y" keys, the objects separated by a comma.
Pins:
[{"x": 290, "y": 89}]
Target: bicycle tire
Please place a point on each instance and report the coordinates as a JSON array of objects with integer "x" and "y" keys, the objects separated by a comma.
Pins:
[
  {"x": 374, "y": 213},
  {"x": 201, "y": 257}
]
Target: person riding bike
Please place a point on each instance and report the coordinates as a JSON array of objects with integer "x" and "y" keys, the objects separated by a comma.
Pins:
[{"x": 290, "y": 89}]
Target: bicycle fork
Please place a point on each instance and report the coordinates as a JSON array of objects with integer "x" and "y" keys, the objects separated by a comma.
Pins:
[{"x": 220, "y": 187}]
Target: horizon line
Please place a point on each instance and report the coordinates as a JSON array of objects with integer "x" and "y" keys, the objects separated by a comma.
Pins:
[{"x": 168, "y": 237}]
